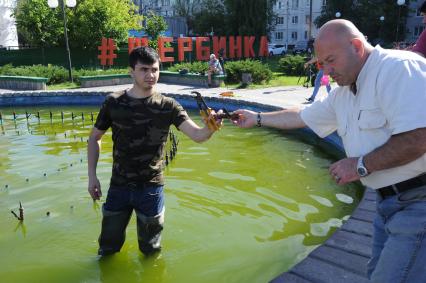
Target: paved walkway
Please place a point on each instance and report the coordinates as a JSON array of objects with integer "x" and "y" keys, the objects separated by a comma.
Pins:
[{"x": 286, "y": 96}]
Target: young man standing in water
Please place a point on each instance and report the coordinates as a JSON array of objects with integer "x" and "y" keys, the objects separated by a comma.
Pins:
[
  {"x": 140, "y": 119},
  {"x": 378, "y": 111}
]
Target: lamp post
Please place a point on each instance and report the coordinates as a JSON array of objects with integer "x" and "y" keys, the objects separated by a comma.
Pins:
[
  {"x": 70, "y": 3},
  {"x": 382, "y": 18},
  {"x": 399, "y": 3},
  {"x": 338, "y": 14}
]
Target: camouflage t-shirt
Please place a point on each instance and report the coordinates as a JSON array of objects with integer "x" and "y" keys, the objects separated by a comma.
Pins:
[{"x": 140, "y": 129}]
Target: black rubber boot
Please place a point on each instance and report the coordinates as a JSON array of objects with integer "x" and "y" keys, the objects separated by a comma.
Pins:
[
  {"x": 113, "y": 232},
  {"x": 149, "y": 232}
]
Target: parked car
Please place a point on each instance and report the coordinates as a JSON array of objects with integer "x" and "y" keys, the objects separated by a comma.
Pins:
[
  {"x": 300, "y": 47},
  {"x": 276, "y": 49}
]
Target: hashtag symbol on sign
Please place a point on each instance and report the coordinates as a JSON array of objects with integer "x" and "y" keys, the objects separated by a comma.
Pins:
[{"x": 107, "y": 49}]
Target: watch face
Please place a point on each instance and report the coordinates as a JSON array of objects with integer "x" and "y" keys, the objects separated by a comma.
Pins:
[{"x": 361, "y": 171}]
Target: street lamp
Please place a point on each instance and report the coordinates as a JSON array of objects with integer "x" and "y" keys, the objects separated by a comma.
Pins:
[
  {"x": 70, "y": 3},
  {"x": 399, "y": 3},
  {"x": 382, "y": 18},
  {"x": 338, "y": 14}
]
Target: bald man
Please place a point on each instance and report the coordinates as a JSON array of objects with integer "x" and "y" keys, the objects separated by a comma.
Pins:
[{"x": 379, "y": 112}]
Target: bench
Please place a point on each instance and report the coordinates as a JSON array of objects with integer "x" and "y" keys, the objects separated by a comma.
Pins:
[
  {"x": 104, "y": 80},
  {"x": 23, "y": 83},
  {"x": 190, "y": 79}
]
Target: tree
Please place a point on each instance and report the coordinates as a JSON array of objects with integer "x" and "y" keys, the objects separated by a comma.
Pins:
[
  {"x": 365, "y": 14},
  {"x": 155, "y": 25},
  {"x": 37, "y": 24},
  {"x": 210, "y": 18},
  {"x": 249, "y": 17},
  {"x": 88, "y": 22},
  {"x": 187, "y": 9}
]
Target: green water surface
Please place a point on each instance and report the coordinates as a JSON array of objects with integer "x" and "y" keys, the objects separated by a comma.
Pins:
[{"x": 242, "y": 207}]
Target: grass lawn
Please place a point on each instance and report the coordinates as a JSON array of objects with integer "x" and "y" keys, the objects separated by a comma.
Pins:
[{"x": 67, "y": 85}]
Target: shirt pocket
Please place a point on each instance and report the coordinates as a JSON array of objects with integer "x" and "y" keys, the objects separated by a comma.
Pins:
[{"x": 370, "y": 119}]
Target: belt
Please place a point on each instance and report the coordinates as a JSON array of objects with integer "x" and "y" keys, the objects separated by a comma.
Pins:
[{"x": 402, "y": 186}]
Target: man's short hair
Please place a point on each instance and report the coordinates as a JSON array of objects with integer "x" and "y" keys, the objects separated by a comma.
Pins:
[
  {"x": 143, "y": 55},
  {"x": 422, "y": 8}
]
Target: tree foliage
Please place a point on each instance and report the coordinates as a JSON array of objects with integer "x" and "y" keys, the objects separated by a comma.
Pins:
[
  {"x": 210, "y": 18},
  {"x": 155, "y": 25},
  {"x": 234, "y": 17},
  {"x": 88, "y": 22},
  {"x": 187, "y": 9},
  {"x": 249, "y": 17},
  {"x": 37, "y": 24},
  {"x": 365, "y": 14}
]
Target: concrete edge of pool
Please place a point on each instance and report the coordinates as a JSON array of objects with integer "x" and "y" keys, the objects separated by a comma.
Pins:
[{"x": 341, "y": 258}]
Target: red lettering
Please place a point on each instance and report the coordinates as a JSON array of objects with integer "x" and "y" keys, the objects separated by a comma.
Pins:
[
  {"x": 203, "y": 52},
  {"x": 182, "y": 48},
  {"x": 248, "y": 46},
  {"x": 263, "y": 47},
  {"x": 136, "y": 42},
  {"x": 219, "y": 43},
  {"x": 162, "y": 49},
  {"x": 235, "y": 46}
]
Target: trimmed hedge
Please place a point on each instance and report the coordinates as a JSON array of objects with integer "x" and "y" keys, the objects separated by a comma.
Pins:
[
  {"x": 194, "y": 67},
  {"x": 55, "y": 74},
  {"x": 292, "y": 65},
  {"x": 260, "y": 72}
]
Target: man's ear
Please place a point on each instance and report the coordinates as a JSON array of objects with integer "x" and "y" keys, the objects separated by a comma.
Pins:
[
  {"x": 131, "y": 72},
  {"x": 358, "y": 46}
]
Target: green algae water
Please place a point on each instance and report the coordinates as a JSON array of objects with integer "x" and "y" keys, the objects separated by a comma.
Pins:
[{"x": 242, "y": 207}]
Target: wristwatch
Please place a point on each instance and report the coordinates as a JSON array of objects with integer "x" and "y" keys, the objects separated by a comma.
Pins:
[{"x": 360, "y": 167}]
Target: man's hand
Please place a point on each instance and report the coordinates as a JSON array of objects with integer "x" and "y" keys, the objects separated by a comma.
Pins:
[
  {"x": 246, "y": 118},
  {"x": 344, "y": 171},
  {"x": 94, "y": 188},
  {"x": 211, "y": 121}
]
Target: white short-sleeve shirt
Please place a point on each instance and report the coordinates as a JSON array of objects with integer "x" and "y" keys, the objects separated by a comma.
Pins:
[{"x": 390, "y": 99}]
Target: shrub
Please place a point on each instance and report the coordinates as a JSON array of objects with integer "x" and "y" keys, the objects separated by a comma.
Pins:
[
  {"x": 55, "y": 74},
  {"x": 194, "y": 67},
  {"x": 292, "y": 65},
  {"x": 260, "y": 72}
]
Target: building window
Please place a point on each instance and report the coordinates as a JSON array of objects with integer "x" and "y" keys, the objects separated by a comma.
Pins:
[
  {"x": 279, "y": 5},
  {"x": 279, "y": 35},
  {"x": 306, "y": 34},
  {"x": 294, "y": 4},
  {"x": 324, "y": 2},
  {"x": 294, "y": 35},
  {"x": 307, "y": 19},
  {"x": 308, "y": 2},
  {"x": 294, "y": 19},
  {"x": 280, "y": 20}
]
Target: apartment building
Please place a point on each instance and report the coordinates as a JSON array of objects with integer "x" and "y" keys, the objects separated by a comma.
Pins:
[
  {"x": 294, "y": 24},
  {"x": 8, "y": 32},
  {"x": 414, "y": 25}
]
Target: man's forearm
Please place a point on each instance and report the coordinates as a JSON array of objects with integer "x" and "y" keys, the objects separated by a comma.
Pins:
[
  {"x": 285, "y": 119},
  {"x": 93, "y": 149},
  {"x": 398, "y": 150}
]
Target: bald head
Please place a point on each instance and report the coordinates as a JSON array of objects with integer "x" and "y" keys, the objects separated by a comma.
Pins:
[
  {"x": 341, "y": 50},
  {"x": 339, "y": 30}
]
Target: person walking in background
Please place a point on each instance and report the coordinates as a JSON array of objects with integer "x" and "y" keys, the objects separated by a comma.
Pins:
[
  {"x": 378, "y": 111},
  {"x": 214, "y": 68},
  {"x": 320, "y": 79},
  {"x": 420, "y": 45},
  {"x": 140, "y": 119}
]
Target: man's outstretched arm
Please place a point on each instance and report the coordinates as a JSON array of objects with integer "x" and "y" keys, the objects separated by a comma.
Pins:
[{"x": 284, "y": 119}]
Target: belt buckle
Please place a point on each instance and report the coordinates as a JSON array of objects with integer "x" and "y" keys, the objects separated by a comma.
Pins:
[{"x": 395, "y": 189}]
